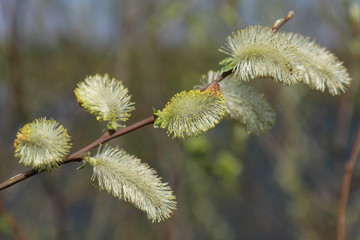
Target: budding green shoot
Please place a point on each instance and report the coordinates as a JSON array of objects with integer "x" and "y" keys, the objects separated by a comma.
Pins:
[
  {"x": 259, "y": 52},
  {"x": 126, "y": 178},
  {"x": 192, "y": 113},
  {"x": 42, "y": 144},
  {"x": 105, "y": 98}
]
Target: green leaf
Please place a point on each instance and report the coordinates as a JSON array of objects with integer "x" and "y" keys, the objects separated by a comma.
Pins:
[
  {"x": 82, "y": 166},
  {"x": 227, "y": 68},
  {"x": 156, "y": 112},
  {"x": 158, "y": 123},
  {"x": 226, "y": 61}
]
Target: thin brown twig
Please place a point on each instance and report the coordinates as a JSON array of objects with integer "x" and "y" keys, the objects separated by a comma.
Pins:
[
  {"x": 217, "y": 80},
  {"x": 276, "y": 26},
  {"x": 78, "y": 156},
  {"x": 345, "y": 188},
  {"x": 279, "y": 23}
]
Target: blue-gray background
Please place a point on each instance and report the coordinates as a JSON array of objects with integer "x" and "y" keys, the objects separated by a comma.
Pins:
[{"x": 281, "y": 185}]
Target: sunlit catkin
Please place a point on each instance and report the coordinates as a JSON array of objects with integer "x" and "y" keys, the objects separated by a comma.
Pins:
[
  {"x": 322, "y": 68},
  {"x": 259, "y": 52},
  {"x": 192, "y": 113},
  {"x": 105, "y": 98},
  {"x": 126, "y": 178},
  {"x": 244, "y": 104},
  {"x": 42, "y": 144}
]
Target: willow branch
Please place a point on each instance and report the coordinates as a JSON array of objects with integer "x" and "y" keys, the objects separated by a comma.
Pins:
[
  {"x": 345, "y": 188},
  {"x": 276, "y": 26},
  {"x": 217, "y": 80},
  {"x": 78, "y": 156},
  {"x": 280, "y": 22}
]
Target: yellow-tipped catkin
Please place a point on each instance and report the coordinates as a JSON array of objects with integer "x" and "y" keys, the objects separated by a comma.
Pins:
[
  {"x": 42, "y": 144},
  {"x": 192, "y": 113},
  {"x": 244, "y": 104},
  {"x": 105, "y": 98}
]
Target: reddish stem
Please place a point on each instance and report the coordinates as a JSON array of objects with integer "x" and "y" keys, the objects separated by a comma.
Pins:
[
  {"x": 279, "y": 24},
  {"x": 345, "y": 188},
  {"x": 78, "y": 156},
  {"x": 217, "y": 80}
]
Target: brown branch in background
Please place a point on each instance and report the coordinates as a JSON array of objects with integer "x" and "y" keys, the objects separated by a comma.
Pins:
[
  {"x": 345, "y": 188},
  {"x": 280, "y": 22},
  {"x": 58, "y": 205},
  {"x": 169, "y": 228},
  {"x": 11, "y": 221},
  {"x": 78, "y": 156},
  {"x": 16, "y": 99}
]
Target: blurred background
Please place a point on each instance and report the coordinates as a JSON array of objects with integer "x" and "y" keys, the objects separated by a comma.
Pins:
[{"x": 284, "y": 184}]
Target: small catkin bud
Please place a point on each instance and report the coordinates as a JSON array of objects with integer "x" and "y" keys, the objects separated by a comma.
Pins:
[
  {"x": 192, "y": 113},
  {"x": 42, "y": 144},
  {"x": 105, "y": 98},
  {"x": 244, "y": 104}
]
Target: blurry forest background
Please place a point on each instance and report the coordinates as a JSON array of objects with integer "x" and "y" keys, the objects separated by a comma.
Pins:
[{"x": 282, "y": 185}]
